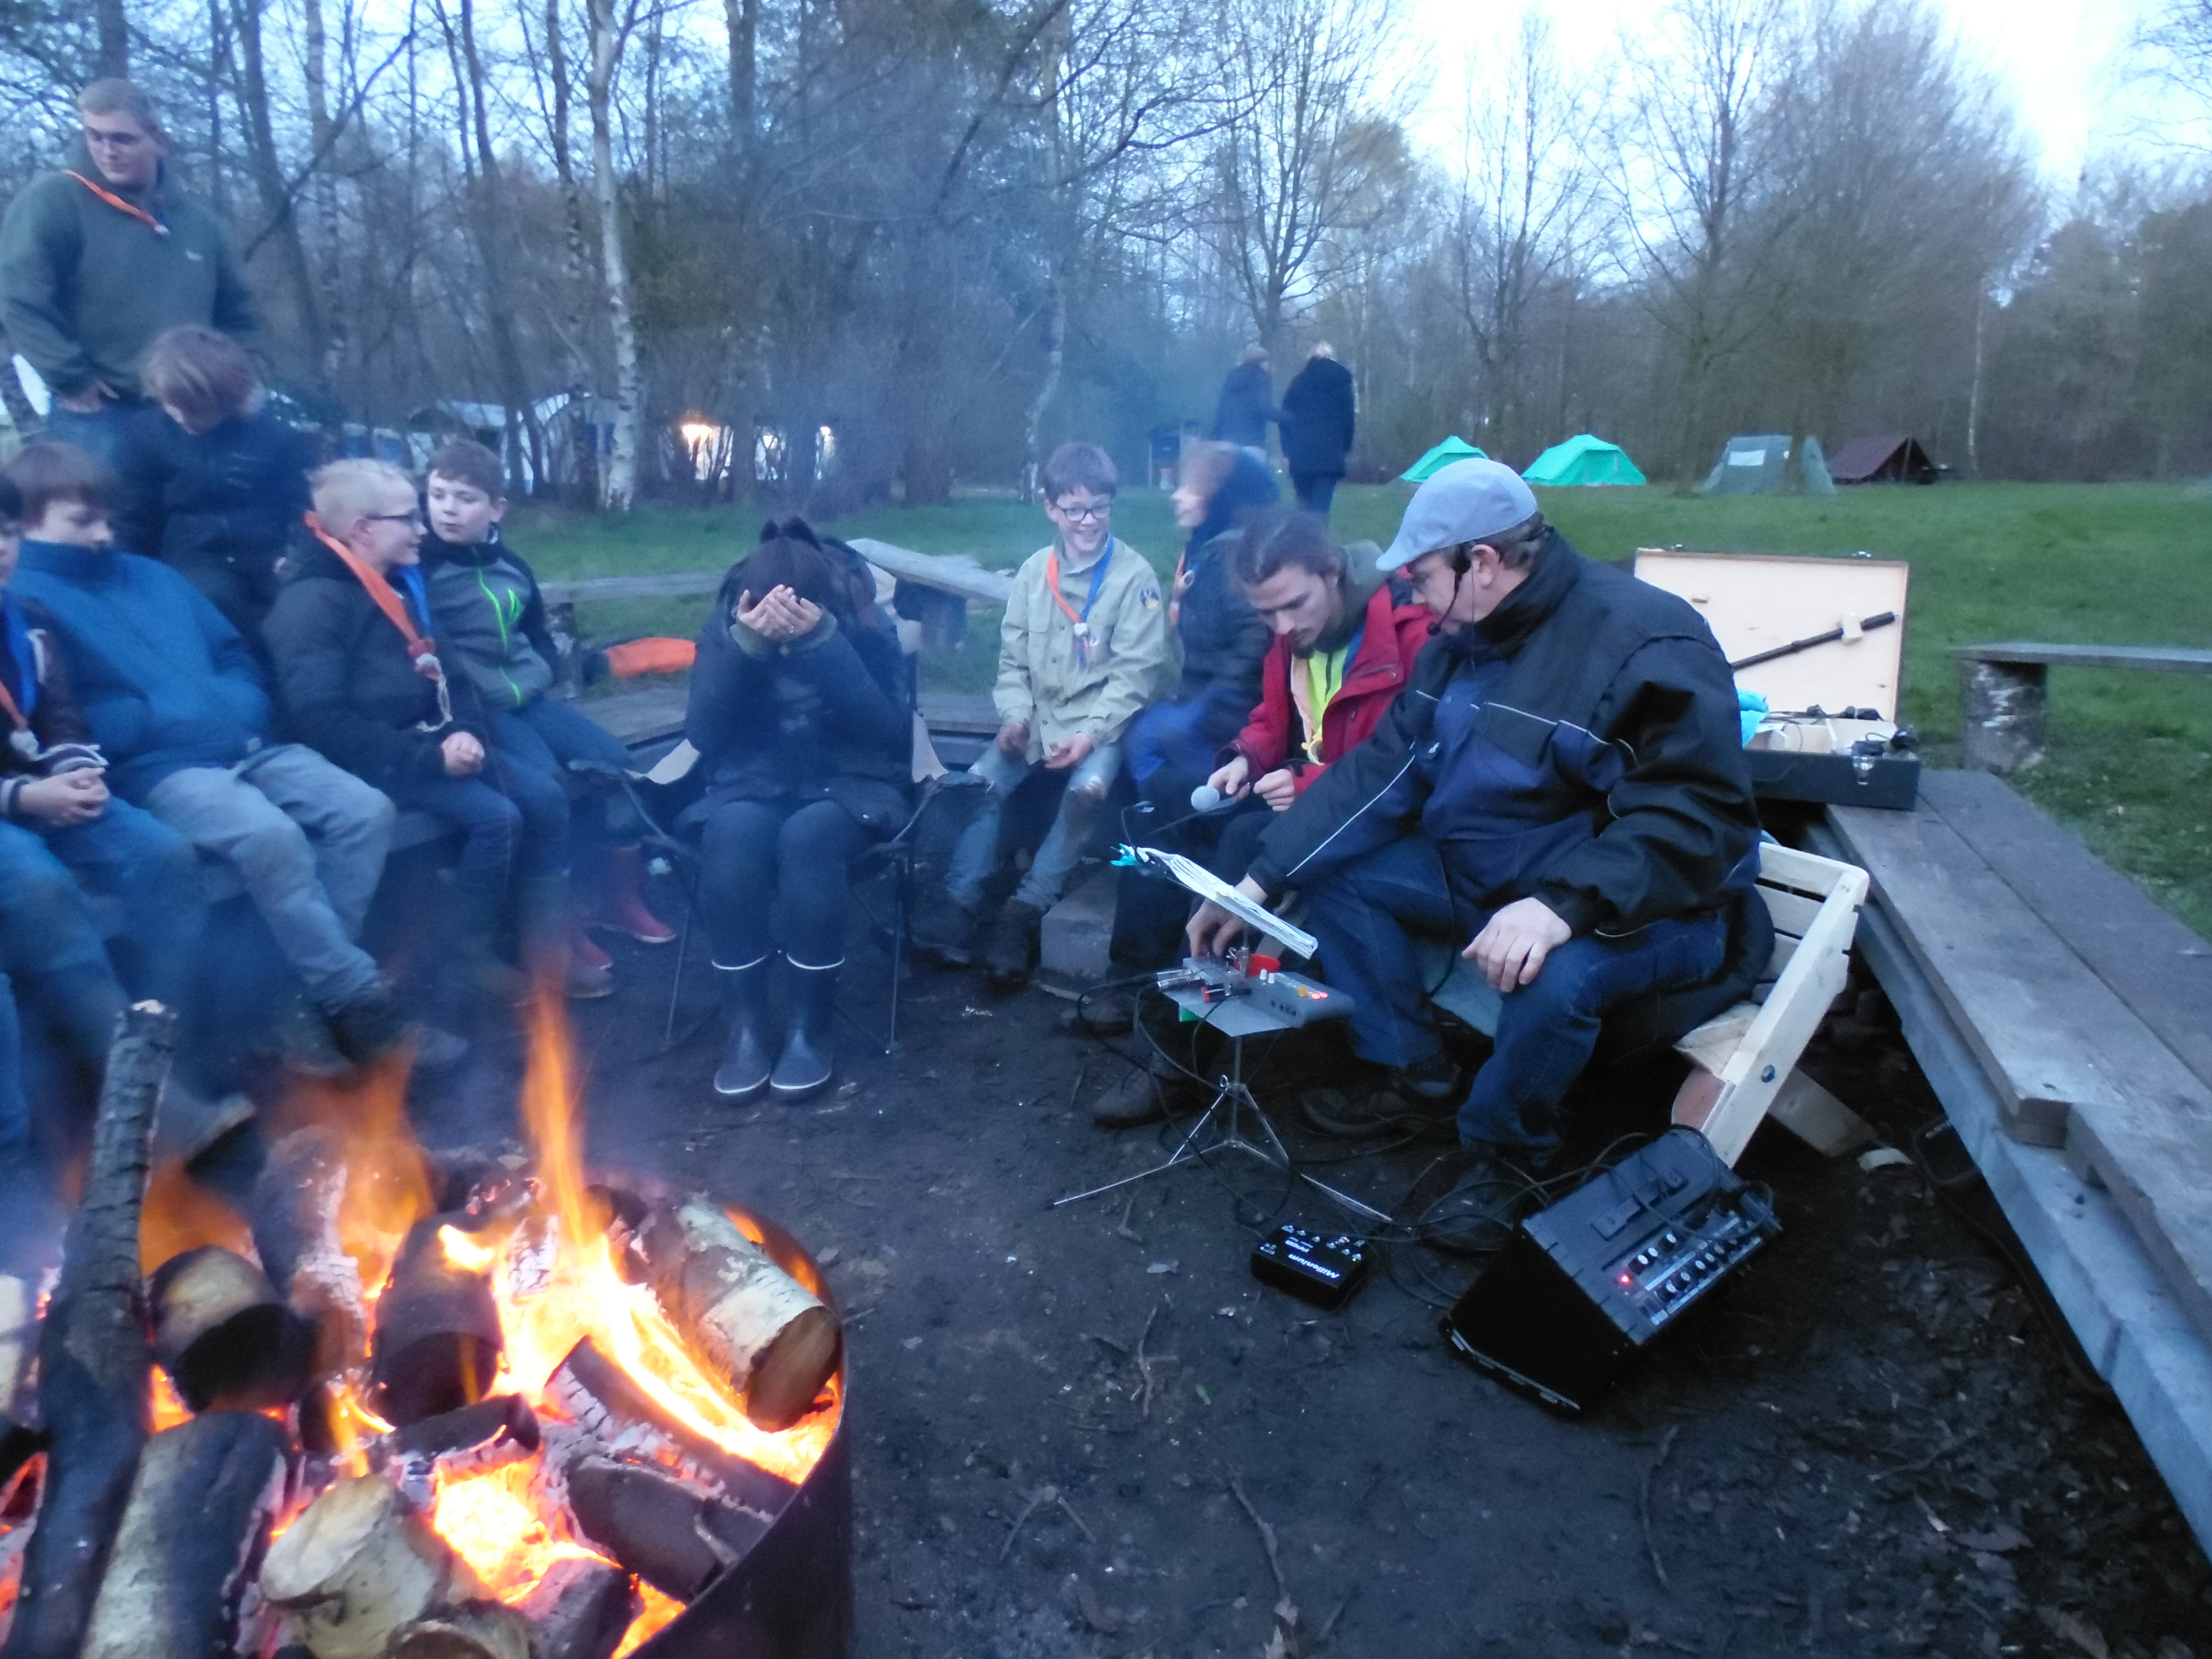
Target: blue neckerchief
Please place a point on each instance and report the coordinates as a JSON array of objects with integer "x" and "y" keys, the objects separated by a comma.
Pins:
[
  {"x": 411, "y": 575},
  {"x": 1098, "y": 577},
  {"x": 25, "y": 657}
]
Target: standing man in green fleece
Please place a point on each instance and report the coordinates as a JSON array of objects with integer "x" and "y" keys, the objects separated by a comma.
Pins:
[{"x": 103, "y": 254}]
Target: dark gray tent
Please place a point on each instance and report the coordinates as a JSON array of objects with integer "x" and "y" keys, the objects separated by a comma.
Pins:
[
  {"x": 1885, "y": 458},
  {"x": 1758, "y": 464}
]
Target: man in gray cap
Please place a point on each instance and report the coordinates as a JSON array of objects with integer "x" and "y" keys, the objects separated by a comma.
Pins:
[{"x": 1561, "y": 790}]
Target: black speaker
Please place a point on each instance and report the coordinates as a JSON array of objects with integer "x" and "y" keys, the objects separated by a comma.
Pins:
[{"x": 1587, "y": 1284}]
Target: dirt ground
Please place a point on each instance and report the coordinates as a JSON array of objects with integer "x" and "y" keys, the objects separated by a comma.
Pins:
[{"x": 1070, "y": 1426}]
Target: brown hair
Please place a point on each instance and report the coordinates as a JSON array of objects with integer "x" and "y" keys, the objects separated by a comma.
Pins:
[
  {"x": 466, "y": 461},
  {"x": 790, "y": 556},
  {"x": 1205, "y": 466},
  {"x": 47, "y": 472},
  {"x": 113, "y": 96},
  {"x": 1076, "y": 467},
  {"x": 203, "y": 372},
  {"x": 1279, "y": 538}
]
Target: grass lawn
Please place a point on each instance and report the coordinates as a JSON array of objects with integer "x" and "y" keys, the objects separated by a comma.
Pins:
[{"x": 2131, "y": 765}]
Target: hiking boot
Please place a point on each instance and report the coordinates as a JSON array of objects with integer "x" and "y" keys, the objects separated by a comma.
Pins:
[
  {"x": 1103, "y": 1011},
  {"x": 305, "y": 1043},
  {"x": 1431, "y": 1081},
  {"x": 943, "y": 927},
  {"x": 622, "y": 908},
  {"x": 1146, "y": 1095},
  {"x": 591, "y": 971},
  {"x": 1010, "y": 950},
  {"x": 372, "y": 1029},
  {"x": 803, "y": 1069},
  {"x": 745, "y": 1064},
  {"x": 1476, "y": 1216},
  {"x": 545, "y": 923}
]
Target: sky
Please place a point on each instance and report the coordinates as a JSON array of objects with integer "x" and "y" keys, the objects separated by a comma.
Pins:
[{"x": 2062, "y": 60}]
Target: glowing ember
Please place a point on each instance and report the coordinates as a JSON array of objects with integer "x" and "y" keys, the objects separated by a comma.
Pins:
[
  {"x": 658, "y": 1610},
  {"x": 495, "y": 1524},
  {"x": 464, "y": 1252}
]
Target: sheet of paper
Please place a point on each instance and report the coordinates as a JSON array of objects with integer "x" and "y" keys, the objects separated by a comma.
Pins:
[{"x": 1197, "y": 878}]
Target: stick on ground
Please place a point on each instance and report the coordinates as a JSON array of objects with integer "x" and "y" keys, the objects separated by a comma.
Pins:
[{"x": 1650, "y": 1547}]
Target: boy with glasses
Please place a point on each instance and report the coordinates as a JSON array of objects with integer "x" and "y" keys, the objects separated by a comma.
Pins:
[{"x": 1082, "y": 648}]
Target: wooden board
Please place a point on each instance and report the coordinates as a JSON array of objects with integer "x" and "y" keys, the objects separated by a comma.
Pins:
[
  {"x": 2072, "y": 1066},
  {"x": 1756, "y": 601},
  {"x": 671, "y": 584},
  {"x": 954, "y": 573},
  {"x": 640, "y": 717},
  {"x": 2168, "y": 659},
  {"x": 2157, "y": 965}
]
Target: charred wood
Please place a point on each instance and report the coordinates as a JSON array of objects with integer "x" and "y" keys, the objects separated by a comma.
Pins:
[
  {"x": 22, "y": 1439},
  {"x": 192, "y": 1540},
  {"x": 436, "y": 1346},
  {"x": 95, "y": 1364},
  {"x": 752, "y": 1322},
  {"x": 580, "y": 1610},
  {"x": 294, "y": 1219},
  {"x": 606, "y": 1403},
  {"x": 669, "y": 1532},
  {"x": 453, "y": 1445},
  {"x": 223, "y": 1336}
]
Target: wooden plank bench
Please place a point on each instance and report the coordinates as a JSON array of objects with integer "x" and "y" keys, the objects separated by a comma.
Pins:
[
  {"x": 2065, "y": 1022},
  {"x": 1744, "y": 1060},
  {"x": 2006, "y": 693}
]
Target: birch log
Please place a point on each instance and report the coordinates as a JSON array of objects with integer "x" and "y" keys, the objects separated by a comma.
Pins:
[
  {"x": 360, "y": 1567},
  {"x": 753, "y": 1323},
  {"x": 20, "y": 1438},
  {"x": 223, "y": 1335},
  {"x": 294, "y": 1217}
]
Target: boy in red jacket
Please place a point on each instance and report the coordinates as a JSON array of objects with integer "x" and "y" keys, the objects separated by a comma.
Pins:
[{"x": 1339, "y": 657}]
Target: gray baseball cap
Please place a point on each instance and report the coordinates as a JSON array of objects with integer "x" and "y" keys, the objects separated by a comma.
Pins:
[{"x": 1465, "y": 502}]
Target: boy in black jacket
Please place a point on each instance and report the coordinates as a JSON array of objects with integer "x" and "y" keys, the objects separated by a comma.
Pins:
[
  {"x": 491, "y": 619},
  {"x": 359, "y": 678}
]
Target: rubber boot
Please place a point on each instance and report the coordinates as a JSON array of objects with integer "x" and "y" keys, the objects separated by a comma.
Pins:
[
  {"x": 622, "y": 908},
  {"x": 804, "y": 1066},
  {"x": 478, "y": 911},
  {"x": 745, "y": 1064},
  {"x": 544, "y": 918}
]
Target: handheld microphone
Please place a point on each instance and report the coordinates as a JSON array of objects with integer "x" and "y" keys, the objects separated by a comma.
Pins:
[{"x": 1205, "y": 798}]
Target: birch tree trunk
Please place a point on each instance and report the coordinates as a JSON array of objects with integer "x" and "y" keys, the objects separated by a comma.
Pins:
[
  {"x": 584, "y": 456},
  {"x": 611, "y": 22},
  {"x": 329, "y": 281}
]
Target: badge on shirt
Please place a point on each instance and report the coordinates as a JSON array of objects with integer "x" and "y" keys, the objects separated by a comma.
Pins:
[{"x": 1150, "y": 599}]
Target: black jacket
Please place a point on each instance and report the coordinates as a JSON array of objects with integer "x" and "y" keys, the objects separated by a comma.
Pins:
[
  {"x": 1246, "y": 405},
  {"x": 830, "y": 717},
  {"x": 348, "y": 686},
  {"x": 222, "y": 508},
  {"x": 1579, "y": 745},
  {"x": 1318, "y": 418},
  {"x": 31, "y": 668}
]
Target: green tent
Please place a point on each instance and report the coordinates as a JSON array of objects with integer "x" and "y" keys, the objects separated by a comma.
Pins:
[
  {"x": 1758, "y": 464},
  {"x": 1583, "y": 459},
  {"x": 1450, "y": 450}
]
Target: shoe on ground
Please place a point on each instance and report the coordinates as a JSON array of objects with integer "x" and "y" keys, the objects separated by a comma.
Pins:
[
  {"x": 584, "y": 982},
  {"x": 1108, "y": 1011},
  {"x": 746, "y": 1064},
  {"x": 1431, "y": 1081},
  {"x": 1477, "y": 1215},
  {"x": 1010, "y": 950},
  {"x": 187, "y": 1124},
  {"x": 622, "y": 908},
  {"x": 305, "y": 1044},
  {"x": 372, "y": 1029},
  {"x": 940, "y": 927},
  {"x": 1145, "y": 1094}
]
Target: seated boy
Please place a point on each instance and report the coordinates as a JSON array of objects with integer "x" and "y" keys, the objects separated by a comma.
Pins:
[
  {"x": 176, "y": 703},
  {"x": 359, "y": 676},
  {"x": 492, "y": 629},
  {"x": 1082, "y": 649}
]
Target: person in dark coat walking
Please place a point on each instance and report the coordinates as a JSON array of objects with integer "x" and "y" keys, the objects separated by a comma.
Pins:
[
  {"x": 214, "y": 485},
  {"x": 802, "y": 715},
  {"x": 1319, "y": 417},
  {"x": 1247, "y": 403}
]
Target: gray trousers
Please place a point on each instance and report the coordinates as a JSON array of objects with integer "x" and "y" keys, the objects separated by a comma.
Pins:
[{"x": 308, "y": 841}]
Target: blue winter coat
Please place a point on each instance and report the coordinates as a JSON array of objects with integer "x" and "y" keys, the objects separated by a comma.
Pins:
[{"x": 164, "y": 681}]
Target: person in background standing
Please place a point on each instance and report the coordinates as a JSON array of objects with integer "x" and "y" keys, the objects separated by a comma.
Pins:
[
  {"x": 1320, "y": 414},
  {"x": 1247, "y": 403},
  {"x": 99, "y": 256}
]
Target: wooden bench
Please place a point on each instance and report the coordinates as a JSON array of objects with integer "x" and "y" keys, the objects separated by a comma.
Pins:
[
  {"x": 2065, "y": 1022},
  {"x": 2006, "y": 692},
  {"x": 1744, "y": 1060}
]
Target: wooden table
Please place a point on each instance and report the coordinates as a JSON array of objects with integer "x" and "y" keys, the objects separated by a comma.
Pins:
[{"x": 2006, "y": 691}]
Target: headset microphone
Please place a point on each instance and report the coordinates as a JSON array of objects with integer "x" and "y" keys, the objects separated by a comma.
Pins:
[
  {"x": 1205, "y": 798},
  {"x": 1461, "y": 564}
]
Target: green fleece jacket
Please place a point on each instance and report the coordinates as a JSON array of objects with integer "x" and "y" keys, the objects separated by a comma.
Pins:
[{"x": 85, "y": 287}]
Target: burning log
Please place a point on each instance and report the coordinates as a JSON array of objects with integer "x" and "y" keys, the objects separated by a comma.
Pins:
[
  {"x": 437, "y": 1343},
  {"x": 475, "y": 1629},
  {"x": 191, "y": 1539},
  {"x": 453, "y": 1445},
  {"x": 753, "y": 1322},
  {"x": 20, "y": 1438},
  {"x": 294, "y": 1219},
  {"x": 676, "y": 1536},
  {"x": 580, "y": 1609},
  {"x": 607, "y": 1403},
  {"x": 223, "y": 1335},
  {"x": 358, "y": 1569},
  {"x": 94, "y": 1364}
]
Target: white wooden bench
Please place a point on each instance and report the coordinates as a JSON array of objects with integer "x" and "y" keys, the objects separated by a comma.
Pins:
[{"x": 1744, "y": 1060}]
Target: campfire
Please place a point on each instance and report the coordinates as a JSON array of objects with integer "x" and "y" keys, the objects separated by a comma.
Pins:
[{"x": 406, "y": 1407}]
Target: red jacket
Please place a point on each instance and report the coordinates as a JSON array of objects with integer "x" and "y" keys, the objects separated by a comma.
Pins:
[{"x": 1396, "y": 627}]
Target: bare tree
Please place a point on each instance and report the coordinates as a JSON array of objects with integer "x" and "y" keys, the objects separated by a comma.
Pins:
[{"x": 610, "y": 24}]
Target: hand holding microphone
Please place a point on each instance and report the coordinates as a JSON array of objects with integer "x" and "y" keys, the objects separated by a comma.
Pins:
[{"x": 1206, "y": 799}]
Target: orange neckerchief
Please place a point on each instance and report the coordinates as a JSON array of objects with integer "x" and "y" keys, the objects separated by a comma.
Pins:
[
  {"x": 8, "y": 707},
  {"x": 424, "y": 651},
  {"x": 118, "y": 203},
  {"x": 1175, "y": 591}
]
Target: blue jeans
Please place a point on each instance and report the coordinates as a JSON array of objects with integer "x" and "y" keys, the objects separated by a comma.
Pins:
[
  {"x": 1001, "y": 774},
  {"x": 1365, "y": 915},
  {"x": 29, "y": 1217},
  {"x": 52, "y": 956},
  {"x": 308, "y": 841},
  {"x": 550, "y": 737},
  {"x": 152, "y": 874},
  {"x": 512, "y": 820}
]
